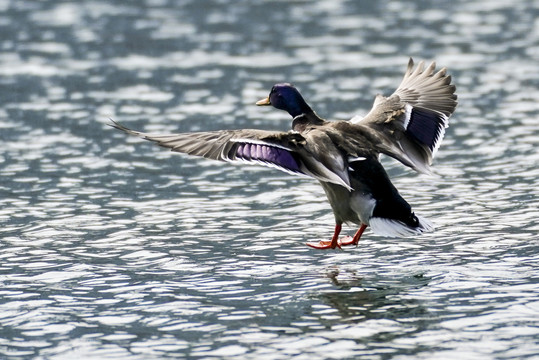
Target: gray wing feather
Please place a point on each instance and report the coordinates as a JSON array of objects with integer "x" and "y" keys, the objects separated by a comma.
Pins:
[
  {"x": 286, "y": 151},
  {"x": 411, "y": 122},
  {"x": 428, "y": 89}
]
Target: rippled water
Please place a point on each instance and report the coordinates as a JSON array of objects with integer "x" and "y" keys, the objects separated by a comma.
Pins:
[{"x": 114, "y": 248}]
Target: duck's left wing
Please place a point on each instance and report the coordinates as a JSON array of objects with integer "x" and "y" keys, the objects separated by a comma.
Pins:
[
  {"x": 286, "y": 151},
  {"x": 415, "y": 116}
]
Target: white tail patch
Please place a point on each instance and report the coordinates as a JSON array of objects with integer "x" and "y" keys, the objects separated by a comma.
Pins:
[{"x": 395, "y": 228}]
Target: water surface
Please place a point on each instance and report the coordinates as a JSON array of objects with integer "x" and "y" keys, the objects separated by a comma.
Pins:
[{"x": 112, "y": 247}]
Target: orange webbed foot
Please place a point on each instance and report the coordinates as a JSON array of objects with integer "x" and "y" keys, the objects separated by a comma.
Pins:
[
  {"x": 324, "y": 244},
  {"x": 335, "y": 242},
  {"x": 357, "y": 236},
  {"x": 347, "y": 240},
  {"x": 328, "y": 244}
]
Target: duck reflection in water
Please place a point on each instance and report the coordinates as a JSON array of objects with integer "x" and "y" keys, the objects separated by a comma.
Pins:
[{"x": 357, "y": 299}]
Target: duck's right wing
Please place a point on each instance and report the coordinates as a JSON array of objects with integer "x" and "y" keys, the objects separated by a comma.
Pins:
[{"x": 290, "y": 152}]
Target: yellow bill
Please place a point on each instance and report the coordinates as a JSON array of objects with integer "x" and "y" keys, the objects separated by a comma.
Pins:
[{"x": 264, "y": 102}]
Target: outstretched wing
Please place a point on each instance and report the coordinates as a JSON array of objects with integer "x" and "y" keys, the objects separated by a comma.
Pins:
[
  {"x": 415, "y": 116},
  {"x": 287, "y": 151}
]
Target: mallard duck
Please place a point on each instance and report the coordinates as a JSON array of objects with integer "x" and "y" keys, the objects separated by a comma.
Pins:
[{"x": 343, "y": 156}]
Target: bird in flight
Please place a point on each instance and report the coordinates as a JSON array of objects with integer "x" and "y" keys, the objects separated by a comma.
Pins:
[{"x": 343, "y": 156}]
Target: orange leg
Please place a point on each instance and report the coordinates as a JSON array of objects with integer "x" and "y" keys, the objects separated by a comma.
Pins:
[
  {"x": 356, "y": 237},
  {"x": 331, "y": 244}
]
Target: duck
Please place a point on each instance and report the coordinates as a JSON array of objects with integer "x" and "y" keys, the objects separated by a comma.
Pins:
[{"x": 343, "y": 155}]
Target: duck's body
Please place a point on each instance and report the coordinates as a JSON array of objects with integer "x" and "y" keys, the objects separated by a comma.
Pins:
[{"x": 343, "y": 155}]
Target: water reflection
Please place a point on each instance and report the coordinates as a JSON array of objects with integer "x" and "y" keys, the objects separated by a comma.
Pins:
[{"x": 360, "y": 299}]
